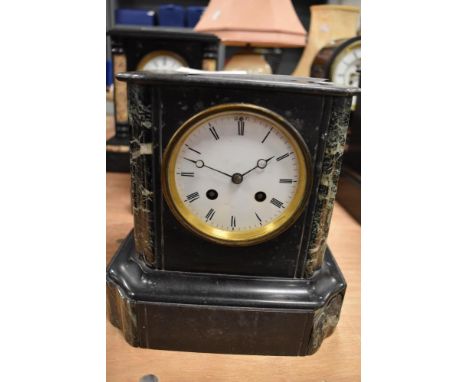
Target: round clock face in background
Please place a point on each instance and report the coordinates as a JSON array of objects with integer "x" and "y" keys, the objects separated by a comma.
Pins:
[
  {"x": 236, "y": 174},
  {"x": 161, "y": 60},
  {"x": 346, "y": 66}
]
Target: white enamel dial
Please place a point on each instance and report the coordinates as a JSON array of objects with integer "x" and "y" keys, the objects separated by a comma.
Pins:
[
  {"x": 238, "y": 173},
  {"x": 161, "y": 61}
]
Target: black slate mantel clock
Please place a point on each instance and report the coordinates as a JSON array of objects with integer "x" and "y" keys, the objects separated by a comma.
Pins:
[
  {"x": 151, "y": 48},
  {"x": 233, "y": 184}
]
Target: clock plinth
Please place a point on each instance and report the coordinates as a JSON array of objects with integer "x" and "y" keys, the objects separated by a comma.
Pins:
[{"x": 222, "y": 313}]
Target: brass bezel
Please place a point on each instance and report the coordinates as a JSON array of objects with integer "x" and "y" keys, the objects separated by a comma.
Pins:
[
  {"x": 148, "y": 57},
  {"x": 236, "y": 238}
]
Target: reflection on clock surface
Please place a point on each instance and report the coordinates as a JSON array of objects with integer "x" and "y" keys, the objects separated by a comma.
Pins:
[{"x": 238, "y": 172}]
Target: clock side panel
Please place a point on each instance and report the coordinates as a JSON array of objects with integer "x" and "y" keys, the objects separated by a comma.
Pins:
[
  {"x": 328, "y": 173},
  {"x": 144, "y": 189},
  {"x": 181, "y": 249}
]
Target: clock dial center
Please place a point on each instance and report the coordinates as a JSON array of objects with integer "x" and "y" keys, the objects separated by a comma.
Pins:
[{"x": 237, "y": 178}]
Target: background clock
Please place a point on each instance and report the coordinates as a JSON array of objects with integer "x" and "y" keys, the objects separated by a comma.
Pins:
[
  {"x": 233, "y": 184},
  {"x": 151, "y": 48},
  {"x": 340, "y": 61},
  {"x": 161, "y": 60}
]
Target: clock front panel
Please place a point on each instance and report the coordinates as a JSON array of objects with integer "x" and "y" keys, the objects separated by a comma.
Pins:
[
  {"x": 237, "y": 176},
  {"x": 209, "y": 223}
]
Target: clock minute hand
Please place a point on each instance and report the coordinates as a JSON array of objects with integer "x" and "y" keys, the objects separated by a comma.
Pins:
[
  {"x": 201, "y": 164},
  {"x": 261, "y": 163},
  {"x": 221, "y": 172}
]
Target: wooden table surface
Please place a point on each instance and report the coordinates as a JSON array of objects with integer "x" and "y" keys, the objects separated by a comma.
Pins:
[{"x": 337, "y": 360}]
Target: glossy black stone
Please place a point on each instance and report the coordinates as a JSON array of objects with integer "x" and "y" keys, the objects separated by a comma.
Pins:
[{"x": 220, "y": 313}]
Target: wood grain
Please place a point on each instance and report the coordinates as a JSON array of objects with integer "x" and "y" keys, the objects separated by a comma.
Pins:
[{"x": 338, "y": 359}]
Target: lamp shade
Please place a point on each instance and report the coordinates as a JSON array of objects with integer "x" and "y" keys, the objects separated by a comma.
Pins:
[{"x": 259, "y": 23}]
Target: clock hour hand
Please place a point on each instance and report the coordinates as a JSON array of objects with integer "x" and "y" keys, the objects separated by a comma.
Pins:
[
  {"x": 200, "y": 164},
  {"x": 261, "y": 163}
]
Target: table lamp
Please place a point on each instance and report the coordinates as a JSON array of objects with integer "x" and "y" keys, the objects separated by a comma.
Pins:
[{"x": 254, "y": 25}]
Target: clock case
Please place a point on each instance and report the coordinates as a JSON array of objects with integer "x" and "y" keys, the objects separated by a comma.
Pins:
[
  {"x": 349, "y": 190},
  {"x": 170, "y": 289},
  {"x": 129, "y": 45},
  {"x": 323, "y": 62}
]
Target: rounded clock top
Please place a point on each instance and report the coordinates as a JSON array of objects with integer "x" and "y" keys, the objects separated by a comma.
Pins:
[
  {"x": 276, "y": 81},
  {"x": 236, "y": 174}
]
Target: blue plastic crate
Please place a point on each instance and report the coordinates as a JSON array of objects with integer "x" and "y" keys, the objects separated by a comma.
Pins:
[
  {"x": 134, "y": 16},
  {"x": 194, "y": 14},
  {"x": 171, "y": 15}
]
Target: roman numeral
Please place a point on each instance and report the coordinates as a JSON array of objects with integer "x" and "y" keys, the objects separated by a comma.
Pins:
[
  {"x": 233, "y": 222},
  {"x": 210, "y": 214},
  {"x": 240, "y": 126},
  {"x": 283, "y": 156},
  {"x": 276, "y": 203},
  {"x": 192, "y": 197},
  {"x": 259, "y": 219},
  {"x": 214, "y": 132},
  {"x": 190, "y": 174},
  {"x": 287, "y": 181},
  {"x": 195, "y": 151},
  {"x": 266, "y": 136}
]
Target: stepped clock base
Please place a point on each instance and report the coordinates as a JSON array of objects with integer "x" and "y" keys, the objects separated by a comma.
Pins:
[
  {"x": 219, "y": 313},
  {"x": 117, "y": 155}
]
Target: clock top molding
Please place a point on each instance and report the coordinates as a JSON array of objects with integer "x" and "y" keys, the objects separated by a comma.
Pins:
[
  {"x": 242, "y": 81},
  {"x": 162, "y": 33}
]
